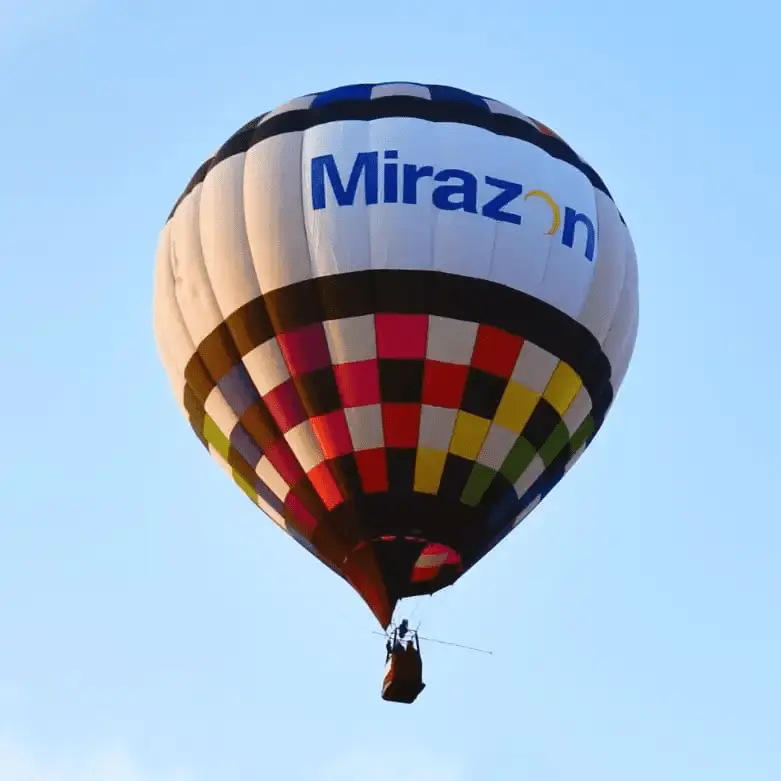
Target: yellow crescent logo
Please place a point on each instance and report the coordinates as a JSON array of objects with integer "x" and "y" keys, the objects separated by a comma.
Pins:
[{"x": 553, "y": 206}]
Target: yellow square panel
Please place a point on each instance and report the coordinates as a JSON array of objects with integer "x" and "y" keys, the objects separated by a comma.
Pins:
[
  {"x": 562, "y": 388},
  {"x": 516, "y": 407},
  {"x": 429, "y": 465},
  {"x": 468, "y": 435},
  {"x": 245, "y": 486},
  {"x": 215, "y": 437}
]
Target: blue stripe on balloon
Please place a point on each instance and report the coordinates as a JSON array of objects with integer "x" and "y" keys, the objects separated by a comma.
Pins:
[
  {"x": 438, "y": 92},
  {"x": 348, "y": 92},
  {"x": 442, "y": 93}
]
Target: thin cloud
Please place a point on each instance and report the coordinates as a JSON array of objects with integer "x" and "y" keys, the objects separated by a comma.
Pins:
[
  {"x": 393, "y": 763},
  {"x": 23, "y": 20},
  {"x": 18, "y": 763}
]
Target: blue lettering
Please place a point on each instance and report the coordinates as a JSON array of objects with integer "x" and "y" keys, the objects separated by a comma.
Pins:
[
  {"x": 571, "y": 219},
  {"x": 509, "y": 192},
  {"x": 390, "y": 179},
  {"x": 365, "y": 165},
  {"x": 466, "y": 191},
  {"x": 454, "y": 190},
  {"x": 412, "y": 175}
]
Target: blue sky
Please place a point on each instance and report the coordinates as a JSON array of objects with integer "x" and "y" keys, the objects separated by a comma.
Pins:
[{"x": 155, "y": 627}]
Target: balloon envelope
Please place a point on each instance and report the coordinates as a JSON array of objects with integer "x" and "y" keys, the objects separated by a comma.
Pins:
[{"x": 396, "y": 314}]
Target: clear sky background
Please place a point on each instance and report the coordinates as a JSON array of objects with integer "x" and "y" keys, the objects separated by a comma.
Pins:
[{"x": 154, "y": 626}]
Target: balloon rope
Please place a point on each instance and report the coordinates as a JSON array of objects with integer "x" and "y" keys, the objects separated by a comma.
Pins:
[{"x": 445, "y": 642}]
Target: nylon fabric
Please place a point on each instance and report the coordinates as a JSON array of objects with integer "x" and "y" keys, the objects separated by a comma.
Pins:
[{"x": 396, "y": 315}]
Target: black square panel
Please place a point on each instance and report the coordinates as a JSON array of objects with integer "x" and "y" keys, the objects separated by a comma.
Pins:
[
  {"x": 401, "y": 380},
  {"x": 541, "y": 424},
  {"x": 318, "y": 391},
  {"x": 482, "y": 393}
]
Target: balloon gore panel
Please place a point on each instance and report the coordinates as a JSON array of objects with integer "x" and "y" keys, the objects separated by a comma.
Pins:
[{"x": 401, "y": 398}]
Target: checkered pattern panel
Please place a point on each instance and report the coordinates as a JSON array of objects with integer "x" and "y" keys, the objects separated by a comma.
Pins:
[
  {"x": 326, "y": 410},
  {"x": 372, "y": 412}
]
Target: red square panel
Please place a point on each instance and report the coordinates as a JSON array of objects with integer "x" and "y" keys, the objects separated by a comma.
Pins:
[
  {"x": 496, "y": 351},
  {"x": 324, "y": 483},
  {"x": 285, "y": 462},
  {"x": 358, "y": 383},
  {"x": 332, "y": 434},
  {"x": 285, "y": 406},
  {"x": 373, "y": 469},
  {"x": 305, "y": 349},
  {"x": 401, "y": 423},
  {"x": 443, "y": 384},
  {"x": 401, "y": 336},
  {"x": 304, "y": 521}
]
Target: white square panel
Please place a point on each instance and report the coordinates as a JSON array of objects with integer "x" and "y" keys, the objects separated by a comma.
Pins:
[
  {"x": 305, "y": 447},
  {"x": 450, "y": 341},
  {"x": 534, "y": 367},
  {"x": 577, "y": 411},
  {"x": 436, "y": 427},
  {"x": 531, "y": 473},
  {"x": 351, "y": 339},
  {"x": 269, "y": 475},
  {"x": 496, "y": 447},
  {"x": 266, "y": 366},
  {"x": 365, "y": 424}
]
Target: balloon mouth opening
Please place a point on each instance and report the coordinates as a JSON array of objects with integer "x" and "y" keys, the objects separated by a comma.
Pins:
[
  {"x": 433, "y": 560},
  {"x": 413, "y": 565}
]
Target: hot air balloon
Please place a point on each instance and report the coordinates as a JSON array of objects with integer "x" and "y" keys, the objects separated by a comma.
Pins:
[{"x": 396, "y": 314}]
